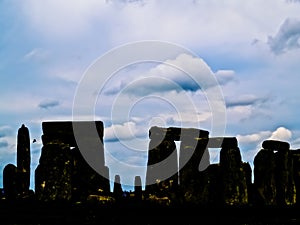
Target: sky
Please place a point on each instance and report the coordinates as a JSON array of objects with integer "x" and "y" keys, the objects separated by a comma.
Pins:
[{"x": 251, "y": 47}]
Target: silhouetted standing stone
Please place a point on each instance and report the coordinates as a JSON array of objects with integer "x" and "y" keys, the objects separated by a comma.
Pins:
[
  {"x": 296, "y": 172},
  {"x": 53, "y": 175},
  {"x": 9, "y": 181},
  {"x": 192, "y": 149},
  {"x": 285, "y": 186},
  {"x": 248, "y": 173},
  {"x": 23, "y": 160},
  {"x": 209, "y": 186},
  {"x": 234, "y": 181},
  {"x": 264, "y": 176},
  {"x": 138, "y": 188},
  {"x": 162, "y": 170},
  {"x": 80, "y": 176},
  {"x": 274, "y": 174},
  {"x": 117, "y": 190},
  {"x": 86, "y": 181}
]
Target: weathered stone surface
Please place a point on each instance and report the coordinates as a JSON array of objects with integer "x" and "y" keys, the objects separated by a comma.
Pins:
[
  {"x": 296, "y": 172},
  {"x": 9, "y": 181},
  {"x": 233, "y": 177},
  {"x": 175, "y": 133},
  {"x": 222, "y": 142},
  {"x": 23, "y": 160},
  {"x": 248, "y": 174},
  {"x": 274, "y": 177},
  {"x": 101, "y": 200},
  {"x": 63, "y": 130},
  {"x": 162, "y": 167},
  {"x": 207, "y": 190},
  {"x": 82, "y": 178},
  {"x": 264, "y": 177},
  {"x": 275, "y": 145},
  {"x": 53, "y": 175},
  {"x": 285, "y": 185},
  {"x": 212, "y": 186},
  {"x": 85, "y": 180},
  {"x": 191, "y": 154},
  {"x": 161, "y": 201},
  {"x": 230, "y": 158}
]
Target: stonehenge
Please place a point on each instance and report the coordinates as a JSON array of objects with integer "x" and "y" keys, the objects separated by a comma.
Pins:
[{"x": 177, "y": 173}]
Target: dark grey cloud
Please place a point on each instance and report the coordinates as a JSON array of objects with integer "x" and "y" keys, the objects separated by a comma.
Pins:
[
  {"x": 245, "y": 101},
  {"x": 48, "y": 104},
  {"x": 3, "y": 144},
  {"x": 287, "y": 38}
]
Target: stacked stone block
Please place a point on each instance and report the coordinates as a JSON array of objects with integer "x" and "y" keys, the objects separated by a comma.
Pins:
[
  {"x": 63, "y": 173},
  {"x": 162, "y": 170},
  {"x": 274, "y": 174}
]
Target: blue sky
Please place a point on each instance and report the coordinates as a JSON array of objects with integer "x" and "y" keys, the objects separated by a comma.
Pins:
[{"x": 252, "y": 47}]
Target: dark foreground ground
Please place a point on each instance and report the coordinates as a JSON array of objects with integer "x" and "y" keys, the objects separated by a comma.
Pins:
[{"x": 128, "y": 213}]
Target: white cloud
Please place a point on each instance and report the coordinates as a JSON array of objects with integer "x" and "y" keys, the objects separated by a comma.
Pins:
[
  {"x": 255, "y": 138},
  {"x": 121, "y": 132},
  {"x": 174, "y": 74},
  {"x": 282, "y": 134},
  {"x": 37, "y": 54}
]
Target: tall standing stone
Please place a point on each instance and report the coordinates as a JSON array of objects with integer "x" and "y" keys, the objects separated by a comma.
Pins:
[
  {"x": 285, "y": 185},
  {"x": 274, "y": 174},
  {"x": 296, "y": 172},
  {"x": 53, "y": 176},
  {"x": 193, "y": 154},
  {"x": 75, "y": 139},
  {"x": 23, "y": 160},
  {"x": 162, "y": 167},
  {"x": 233, "y": 176},
  {"x": 264, "y": 177}
]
